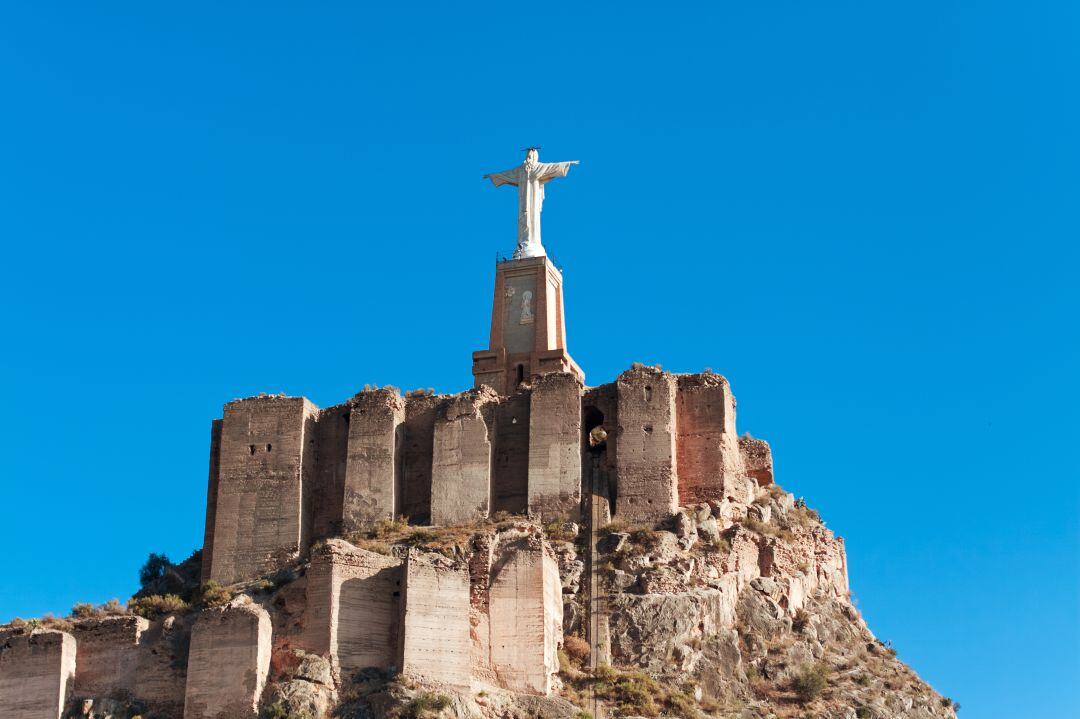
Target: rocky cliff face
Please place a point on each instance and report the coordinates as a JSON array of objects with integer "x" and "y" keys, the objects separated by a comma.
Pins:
[{"x": 730, "y": 608}]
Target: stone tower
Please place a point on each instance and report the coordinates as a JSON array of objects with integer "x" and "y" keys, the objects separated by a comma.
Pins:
[{"x": 528, "y": 327}]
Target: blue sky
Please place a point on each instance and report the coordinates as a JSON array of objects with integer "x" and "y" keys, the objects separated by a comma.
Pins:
[{"x": 863, "y": 214}]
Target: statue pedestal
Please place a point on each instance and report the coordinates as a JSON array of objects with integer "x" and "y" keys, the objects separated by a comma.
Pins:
[{"x": 528, "y": 332}]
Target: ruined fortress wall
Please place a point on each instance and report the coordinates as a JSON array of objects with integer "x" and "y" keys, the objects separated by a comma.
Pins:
[
  {"x": 211, "y": 499},
  {"x": 108, "y": 654},
  {"x": 416, "y": 454},
  {"x": 228, "y": 663},
  {"x": 645, "y": 462},
  {"x": 461, "y": 460},
  {"x": 328, "y": 490},
  {"x": 161, "y": 672},
  {"x": 435, "y": 620},
  {"x": 757, "y": 459},
  {"x": 510, "y": 455},
  {"x": 525, "y": 610},
  {"x": 266, "y": 454},
  {"x": 554, "y": 447},
  {"x": 36, "y": 674},
  {"x": 371, "y": 472},
  {"x": 708, "y": 456},
  {"x": 353, "y": 606},
  {"x": 288, "y": 473}
]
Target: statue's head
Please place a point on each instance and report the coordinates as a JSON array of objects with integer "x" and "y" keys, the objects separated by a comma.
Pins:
[{"x": 532, "y": 156}]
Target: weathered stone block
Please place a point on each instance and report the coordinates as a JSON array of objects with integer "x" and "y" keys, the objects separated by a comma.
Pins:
[
  {"x": 228, "y": 662},
  {"x": 161, "y": 675},
  {"x": 370, "y": 492},
  {"x": 36, "y": 674},
  {"x": 435, "y": 620},
  {"x": 108, "y": 654},
  {"x": 510, "y": 455},
  {"x": 331, "y": 457},
  {"x": 708, "y": 457},
  {"x": 461, "y": 465},
  {"x": 265, "y": 458},
  {"x": 555, "y": 447},
  {"x": 353, "y": 606},
  {"x": 417, "y": 451},
  {"x": 525, "y": 610},
  {"x": 645, "y": 461},
  {"x": 757, "y": 458}
]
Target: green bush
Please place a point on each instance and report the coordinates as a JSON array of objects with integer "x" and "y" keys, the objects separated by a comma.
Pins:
[
  {"x": 213, "y": 595},
  {"x": 157, "y": 605},
  {"x": 424, "y": 704},
  {"x": 810, "y": 682}
]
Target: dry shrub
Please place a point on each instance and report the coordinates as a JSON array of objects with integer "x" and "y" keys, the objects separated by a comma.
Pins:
[
  {"x": 577, "y": 649},
  {"x": 810, "y": 682},
  {"x": 156, "y": 605}
]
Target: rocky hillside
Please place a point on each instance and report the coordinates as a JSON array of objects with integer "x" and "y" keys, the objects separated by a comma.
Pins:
[{"x": 728, "y": 609}]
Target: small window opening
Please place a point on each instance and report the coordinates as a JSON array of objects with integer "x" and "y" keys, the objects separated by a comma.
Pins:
[
  {"x": 647, "y": 428},
  {"x": 648, "y": 393},
  {"x": 251, "y": 447},
  {"x": 268, "y": 447},
  {"x": 520, "y": 373}
]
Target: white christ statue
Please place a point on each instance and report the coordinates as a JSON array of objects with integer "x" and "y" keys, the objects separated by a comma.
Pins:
[{"x": 530, "y": 178}]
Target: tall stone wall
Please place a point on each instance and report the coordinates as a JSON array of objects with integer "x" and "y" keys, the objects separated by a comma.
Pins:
[
  {"x": 353, "y": 610},
  {"x": 555, "y": 441},
  {"x": 646, "y": 463},
  {"x": 228, "y": 662},
  {"x": 417, "y": 452},
  {"x": 108, "y": 654},
  {"x": 461, "y": 460},
  {"x": 36, "y": 674},
  {"x": 331, "y": 453},
  {"x": 266, "y": 456},
  {"x": 284, "y": 473},
  {"x": 708, "y": 458},
  {"x": 161, "y": 675},
  {"x": 211, "y": 499},
  {"x": 510, "y": 455},
  {"x": 371, "y": 474},
  {"x": 525, "y": 610},
  {"x": 435, "y": 620}
]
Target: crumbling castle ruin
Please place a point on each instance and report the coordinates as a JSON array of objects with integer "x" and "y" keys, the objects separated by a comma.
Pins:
[{"x": 291, "y": 485}]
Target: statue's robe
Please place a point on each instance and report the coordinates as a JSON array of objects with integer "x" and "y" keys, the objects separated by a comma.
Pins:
[{"x": 530, "y": 178}]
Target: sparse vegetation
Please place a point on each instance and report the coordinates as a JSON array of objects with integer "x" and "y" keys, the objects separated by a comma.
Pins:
[
  {"x": 577, "y": 648},
  {"x": 83, "y": 610},
  {"x": 810, "y": 681},
  {"x": 424, "y": 704},
  {"x": 560, "y": 530},
  {"x": 212, "y": 594},
  {"x": 800, "y": 621},
  {"x": 157, "y": 605},
  {"x": 764, "y": 528}
]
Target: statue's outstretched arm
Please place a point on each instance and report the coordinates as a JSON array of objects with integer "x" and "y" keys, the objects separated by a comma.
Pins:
[
  {"x": 551, "y": 170},
  {"x": 509, "y": 177}
]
